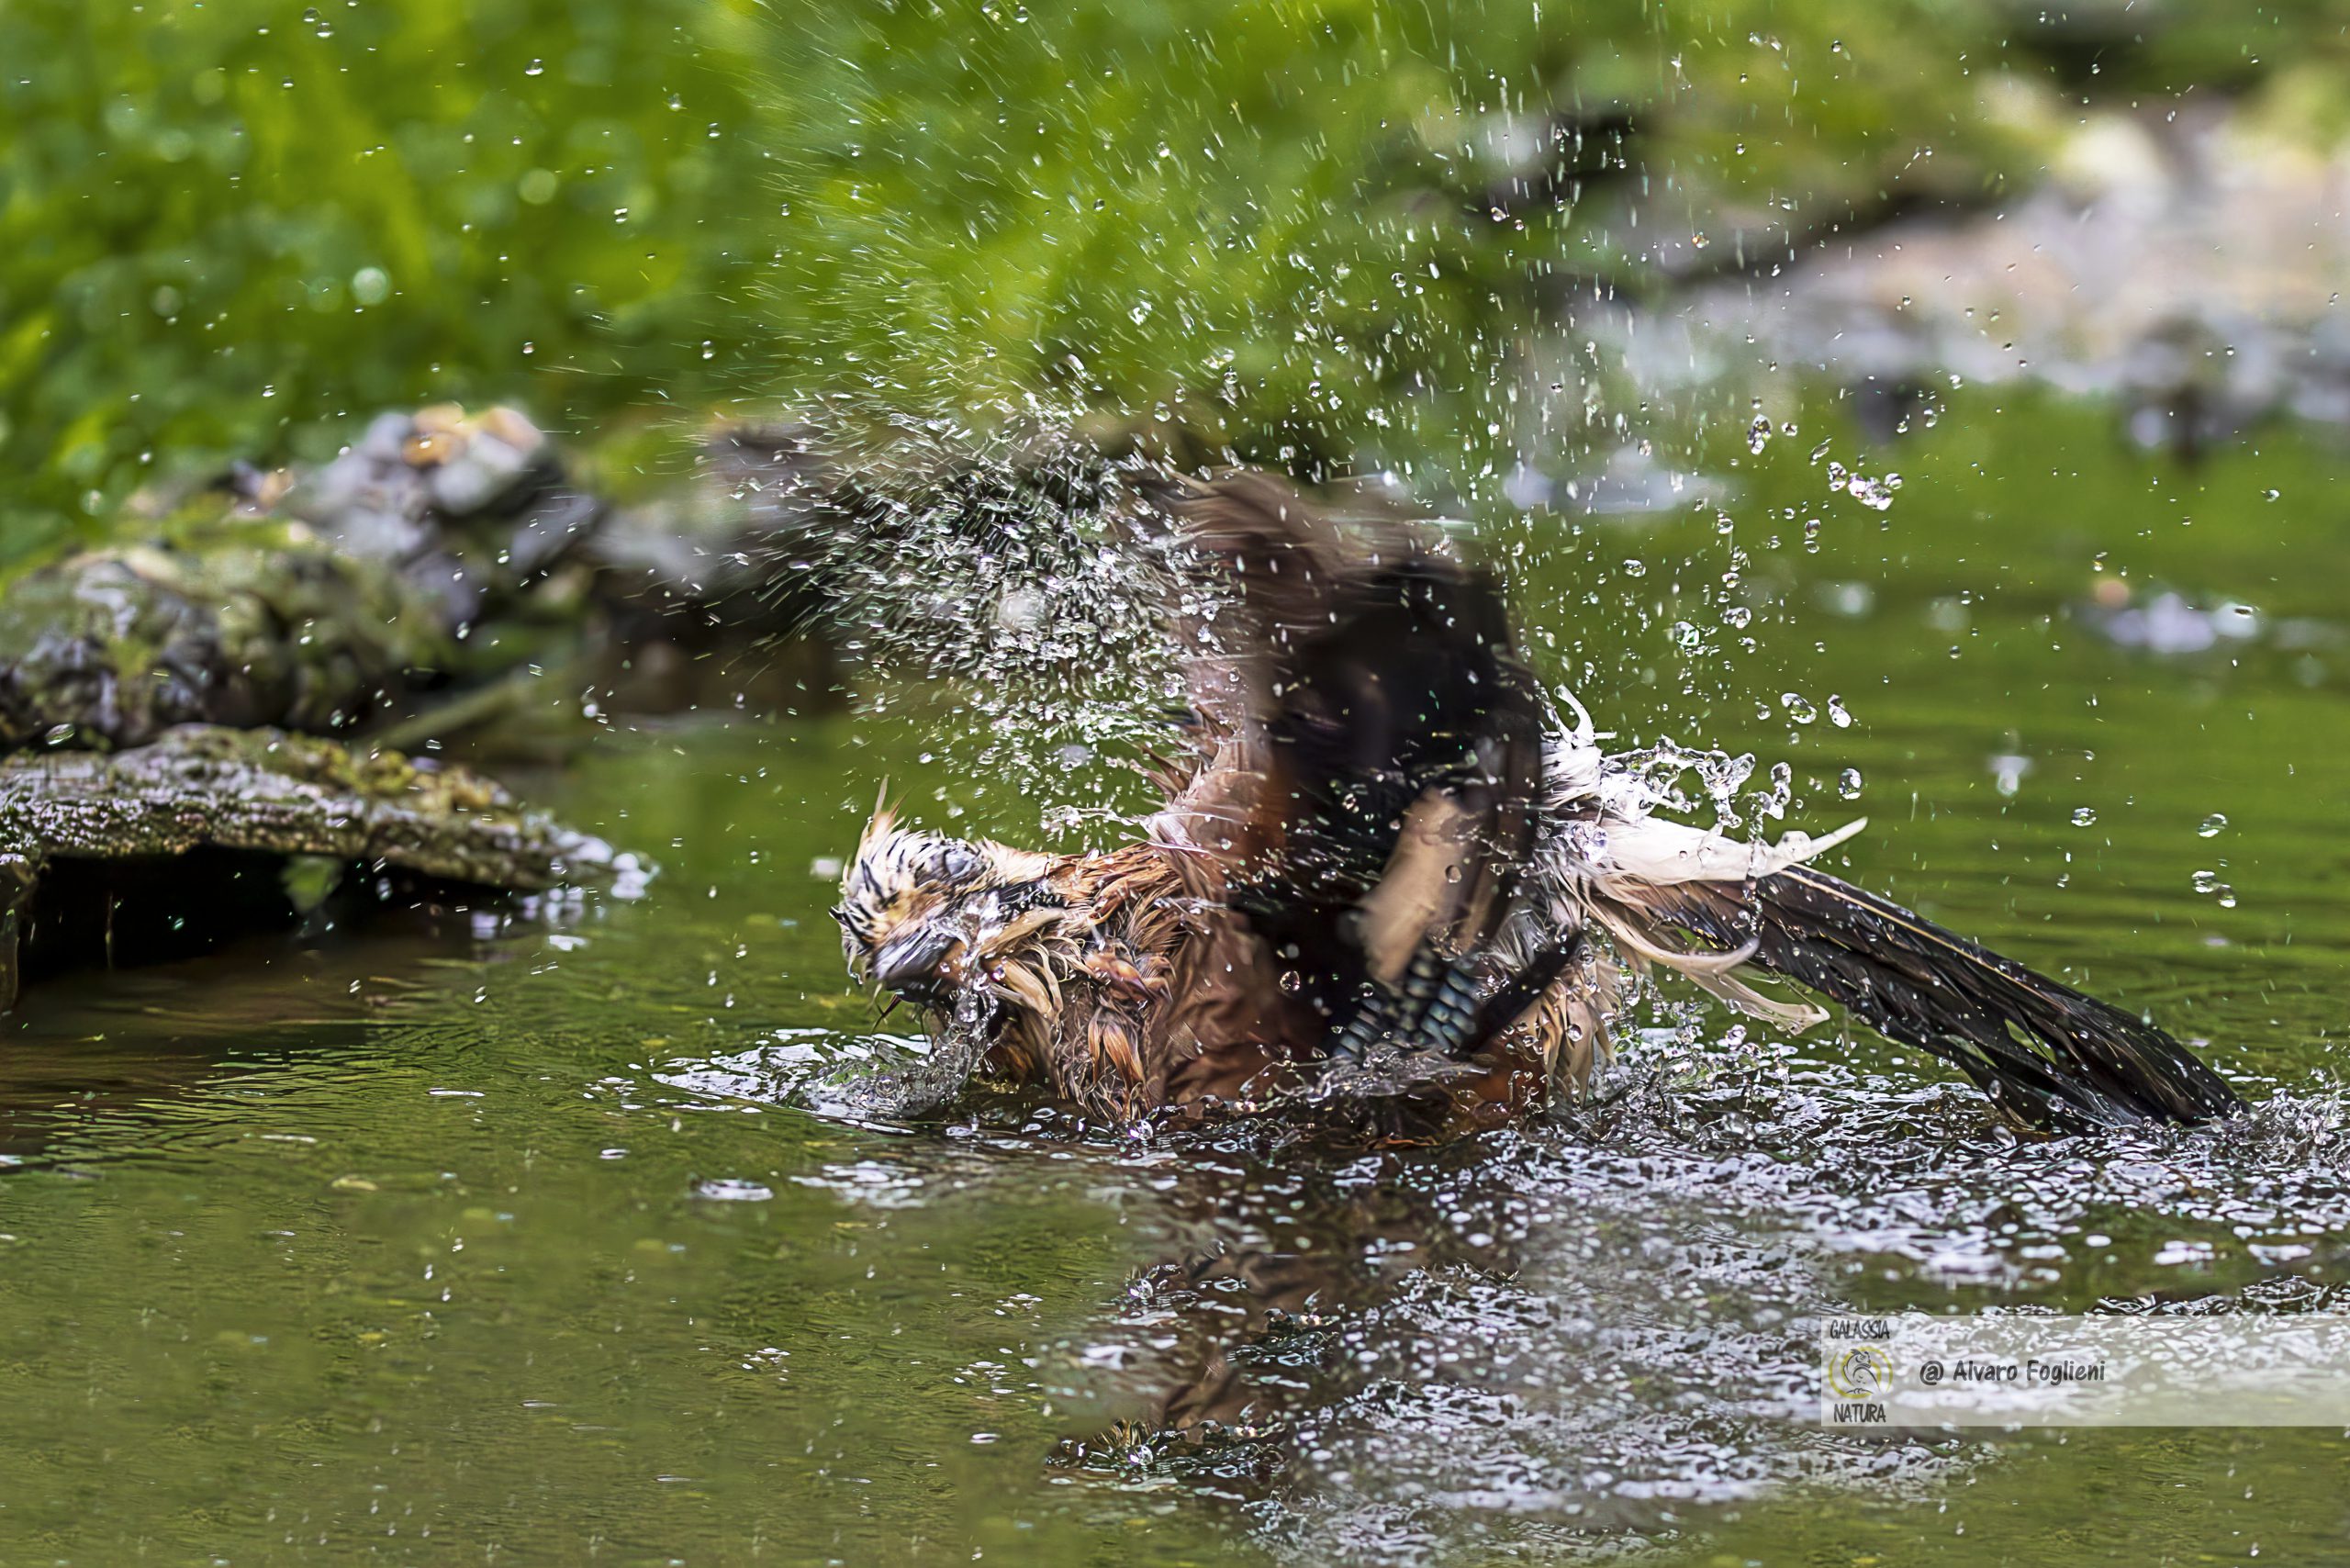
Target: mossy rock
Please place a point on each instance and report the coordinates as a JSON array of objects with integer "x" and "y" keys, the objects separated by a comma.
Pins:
[{"x": 111, "y": 648}]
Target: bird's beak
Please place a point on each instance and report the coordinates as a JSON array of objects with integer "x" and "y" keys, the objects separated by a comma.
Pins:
[{"x": 915, "y": 967}]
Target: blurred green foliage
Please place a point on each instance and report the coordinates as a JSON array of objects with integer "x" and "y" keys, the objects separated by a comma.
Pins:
[
  {"x": 1311, "y": 210},
  {"x": 225, "y": 228}
]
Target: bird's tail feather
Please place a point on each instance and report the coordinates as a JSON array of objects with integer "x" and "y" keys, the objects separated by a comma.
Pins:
[{"x": 2051, "y": 1058}]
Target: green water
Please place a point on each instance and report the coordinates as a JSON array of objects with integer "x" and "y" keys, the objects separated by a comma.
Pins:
[{"x": 492, "y": 1238}]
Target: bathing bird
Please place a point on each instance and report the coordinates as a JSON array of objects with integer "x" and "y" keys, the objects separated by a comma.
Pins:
[{"x": 1387, "y": 869}]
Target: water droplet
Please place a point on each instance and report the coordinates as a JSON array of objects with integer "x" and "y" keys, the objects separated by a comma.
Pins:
[
  {"x": 1848, "y": 784},
  {"x": 2083, "y": 816},
  {"x": 1292, "y": 982},
  {"x": 2212, "y": 826},
  {"x": 1836, "y": 713},
  {"x": 536, "y": 68},
  {"x": 1874, "y": 493},
  {"x": 1799, "y": 710}
]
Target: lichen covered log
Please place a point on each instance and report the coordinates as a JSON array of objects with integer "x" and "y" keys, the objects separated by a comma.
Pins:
[{"x": 263, "y": 796}]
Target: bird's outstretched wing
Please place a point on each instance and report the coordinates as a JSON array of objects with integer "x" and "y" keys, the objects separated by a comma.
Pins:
[
  {"x": 2051, "y": 1058},
  {"x": 1375, "y": 754},
  {"x": 2048, "y": 1057}
]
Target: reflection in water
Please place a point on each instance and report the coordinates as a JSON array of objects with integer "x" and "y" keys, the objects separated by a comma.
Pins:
[
  {"x": 1598, "y": 1329},
  {"x": 136, "y": 1041}
]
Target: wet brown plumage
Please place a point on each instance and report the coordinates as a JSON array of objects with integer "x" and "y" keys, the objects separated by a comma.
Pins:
[
  {"x": 1374, "y": 884},
  {"x": 1357, "y": 808}
]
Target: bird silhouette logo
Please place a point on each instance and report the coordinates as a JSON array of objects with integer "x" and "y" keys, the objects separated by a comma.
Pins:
[{"x": 1862, "y": 1371}]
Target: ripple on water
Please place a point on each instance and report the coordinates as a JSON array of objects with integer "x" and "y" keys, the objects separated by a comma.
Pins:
[{"x": 1599, "y": 1330}]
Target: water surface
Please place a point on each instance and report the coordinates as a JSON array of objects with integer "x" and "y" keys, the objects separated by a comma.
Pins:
[{"x": 499, "y": 1237}]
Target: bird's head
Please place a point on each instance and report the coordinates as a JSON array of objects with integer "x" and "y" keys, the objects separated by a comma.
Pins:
[{"x": 924, "y": 916}]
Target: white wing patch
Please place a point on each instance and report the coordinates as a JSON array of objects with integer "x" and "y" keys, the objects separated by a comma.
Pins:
[{"x": 1607, "y": 854}]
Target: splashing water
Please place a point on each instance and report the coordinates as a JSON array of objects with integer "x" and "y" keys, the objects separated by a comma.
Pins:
[
  {"x": 1016, "y": 566},
  {"x": 1599, "y": 1331}
]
